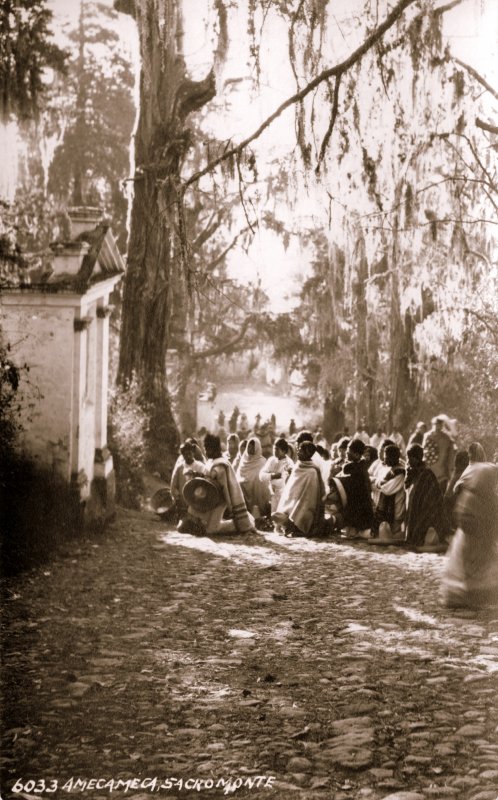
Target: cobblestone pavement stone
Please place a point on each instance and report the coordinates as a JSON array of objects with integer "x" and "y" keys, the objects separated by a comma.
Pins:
[{"x": 328, "y": 668}]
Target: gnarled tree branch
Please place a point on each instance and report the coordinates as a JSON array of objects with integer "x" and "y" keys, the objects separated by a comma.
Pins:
[{"x": 332, "y": 72}]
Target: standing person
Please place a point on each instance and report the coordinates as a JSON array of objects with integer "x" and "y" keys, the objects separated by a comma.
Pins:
[
  {"x": 397, "y": 438},
  {"x": 292, "y": 427},
  {"x": 358, "y": 514},
  {"x": 243, "y": 426},
  {"x": 256, "y": 493},
  {"x": 424, "y": 508},
  {"x": 418, "y": 434},
  {"x": 439, "y": 452},
  {"x": 471, "y": 572},
  {"x": 231, "y": 501},
  {"x": 377, "y": 438},
  {"x": 301, "y": 510},
  {"x": 232, "y": 422},
  {"x": 276, "y": 471},
  {"x": 390, "y": 506}
]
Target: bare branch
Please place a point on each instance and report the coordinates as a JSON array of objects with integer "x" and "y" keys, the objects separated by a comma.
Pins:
[
  {"x": 220, "y": 257},
  {"x": 478, "y": 77},
  {"x": 485, "y": 126},
  {"x": 333, "y": 117},
  {"x": 228, "y": 346},
  {"x": 332, "y": 72}
]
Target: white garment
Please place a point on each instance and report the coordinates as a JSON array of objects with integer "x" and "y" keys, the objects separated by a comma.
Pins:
[
  {"x": 377, "y": 439},
  {"x": 377, "y": 471},
  {"x": 274, "y": 464},
  {"x": 324, "y": 467}
]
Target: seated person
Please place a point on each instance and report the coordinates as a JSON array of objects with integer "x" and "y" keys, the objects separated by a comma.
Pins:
[
  {"x": 424, "y": 508},
  {"x": 358, "y": 514},
  {"x": 276, "y": 471},
  {"x": 185, "y": 468},
  {"x": 256, "y": 493},
  {"x": 338, "y": 463},
  {"x": 300, "y": 510},
  {"x": 390, "y": 506},
  {"x": 230, "y": 515}
]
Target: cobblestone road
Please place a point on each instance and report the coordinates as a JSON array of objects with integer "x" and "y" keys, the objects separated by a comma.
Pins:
[{"x": 296, "y": 668}]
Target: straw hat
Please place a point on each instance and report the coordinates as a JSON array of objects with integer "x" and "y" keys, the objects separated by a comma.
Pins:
[{"x": 202, "y": 494}]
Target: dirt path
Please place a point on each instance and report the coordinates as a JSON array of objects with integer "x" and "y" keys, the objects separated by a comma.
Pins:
[{"x": 296, "y": 668}]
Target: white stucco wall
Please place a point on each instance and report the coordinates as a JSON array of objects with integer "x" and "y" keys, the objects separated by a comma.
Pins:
[
  {"x": 86, "y": 401},
  {"x": 42, "y": 336}
]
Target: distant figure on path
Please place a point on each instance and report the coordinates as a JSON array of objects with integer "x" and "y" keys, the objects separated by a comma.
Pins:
[
  {"x": 471, "y": 572},
  {"x": 232, "y": 422},
  {"x": 292, "y": 428}
]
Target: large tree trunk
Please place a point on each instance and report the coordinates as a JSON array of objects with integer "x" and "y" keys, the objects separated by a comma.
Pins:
[{"x": 155, "y": 296}]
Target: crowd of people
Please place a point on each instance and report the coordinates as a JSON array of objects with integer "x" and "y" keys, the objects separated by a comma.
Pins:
[{"x": 426, "y": 495}]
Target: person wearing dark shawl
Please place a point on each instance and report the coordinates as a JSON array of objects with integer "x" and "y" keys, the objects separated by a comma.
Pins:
[
  {"x": 470, "y": 577},
  {"x": 425, "y": 502},
  {"x": 300, "y": 510},
  {"x": 358, "y": 514}
]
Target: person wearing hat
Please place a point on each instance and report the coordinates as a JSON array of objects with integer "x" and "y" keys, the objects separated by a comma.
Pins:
[
  {"x": 424, "y": 508},
  {"x": 358, "y": 514},
  {"x": 439, "y": 452},
  {"x": 218, "y": 506}
]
